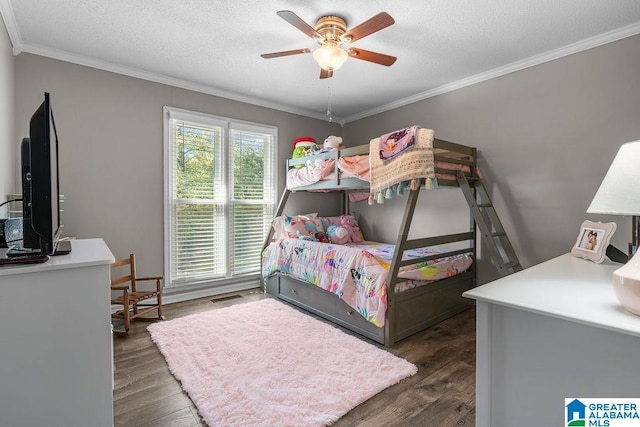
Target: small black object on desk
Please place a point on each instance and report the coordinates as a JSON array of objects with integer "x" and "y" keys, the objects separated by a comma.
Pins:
[
  {"x": 616, "y": 255},
  {"x": 21, "y": 259}
]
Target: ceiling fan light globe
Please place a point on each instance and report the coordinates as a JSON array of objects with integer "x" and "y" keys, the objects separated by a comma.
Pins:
[{"x": 330, "y": 58}]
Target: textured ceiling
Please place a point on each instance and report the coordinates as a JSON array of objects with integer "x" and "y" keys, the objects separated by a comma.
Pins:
[{"x": 215, "y": 46}]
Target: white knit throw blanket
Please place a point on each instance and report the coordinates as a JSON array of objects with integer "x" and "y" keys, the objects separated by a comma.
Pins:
[{"x": 415, "y": 162}]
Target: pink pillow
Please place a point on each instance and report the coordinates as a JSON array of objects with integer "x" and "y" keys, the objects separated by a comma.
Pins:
[{"x": 300, "y": 227}]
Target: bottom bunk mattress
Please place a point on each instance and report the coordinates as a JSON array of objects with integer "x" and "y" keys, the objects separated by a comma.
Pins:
[{"x": 357, "y": 272}]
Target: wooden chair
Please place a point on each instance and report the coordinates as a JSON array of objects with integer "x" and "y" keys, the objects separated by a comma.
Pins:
[{"x": 131, "y": 297}]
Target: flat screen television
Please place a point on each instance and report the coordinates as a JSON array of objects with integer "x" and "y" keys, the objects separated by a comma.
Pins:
[{"x": 40, "y": 184}]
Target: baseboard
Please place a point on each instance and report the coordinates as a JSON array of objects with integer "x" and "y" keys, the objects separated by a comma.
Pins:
[{"x": 170, "y": 296}]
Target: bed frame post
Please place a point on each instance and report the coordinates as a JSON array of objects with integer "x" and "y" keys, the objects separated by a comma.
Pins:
[
  {"x": 403, "y": 234},
  {"x": 344, "y": 203},
  {"x": 281, "y": 204}
]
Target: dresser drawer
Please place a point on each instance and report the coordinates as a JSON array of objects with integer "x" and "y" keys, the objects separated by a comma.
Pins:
[{"x": 327, "y": 305}]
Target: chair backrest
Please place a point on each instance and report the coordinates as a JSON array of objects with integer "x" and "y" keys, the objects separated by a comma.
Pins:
[{"x": 131, "y": 272}]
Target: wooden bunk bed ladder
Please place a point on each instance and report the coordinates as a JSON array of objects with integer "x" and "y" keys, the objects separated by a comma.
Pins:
[{"x": 495, "y": 238}]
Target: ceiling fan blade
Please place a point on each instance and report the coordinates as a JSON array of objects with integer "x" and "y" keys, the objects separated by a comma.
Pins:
[
  {"x": 286, "y": 53},
  {"x": 297, "y": 22},
  {"x": 370, "y": 26},
  {"x": 325, "y": 74},
  {"x": 367, "y": 55}
]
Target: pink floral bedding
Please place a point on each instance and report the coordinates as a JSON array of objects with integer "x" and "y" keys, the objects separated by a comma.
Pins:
[
  {"x": 357, "y": 273},
  {"x": 421, "y": 273}
]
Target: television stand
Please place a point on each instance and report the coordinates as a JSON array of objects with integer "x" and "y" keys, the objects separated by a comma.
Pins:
[{"x": 56, "y": 361}]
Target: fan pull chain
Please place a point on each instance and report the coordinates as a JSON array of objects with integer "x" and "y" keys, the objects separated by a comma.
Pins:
[{"x": 329, "y": 100}]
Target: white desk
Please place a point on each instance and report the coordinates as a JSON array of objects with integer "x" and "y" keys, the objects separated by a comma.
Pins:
[
  {"x": 55, "y": 340},
  {"x": 552, "y": 331}
]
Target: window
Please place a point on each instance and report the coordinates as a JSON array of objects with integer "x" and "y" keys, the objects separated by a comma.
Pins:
[{"x": 219, "y": 197}]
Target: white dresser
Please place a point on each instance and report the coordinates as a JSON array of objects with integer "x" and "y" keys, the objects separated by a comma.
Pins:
[
  {"x": 549, "y": 332},
  {"x": 55, "y": 340}
]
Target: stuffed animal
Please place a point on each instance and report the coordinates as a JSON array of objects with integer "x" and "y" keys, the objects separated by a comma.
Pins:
[
  {"x": 337, "y": 234},
  {"x": 315, "y": 149},
  {"x": 332, "y": 143},
  {"x": 301, "y": 148}
]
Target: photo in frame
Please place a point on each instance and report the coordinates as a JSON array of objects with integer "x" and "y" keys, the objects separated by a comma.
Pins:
[{"x": 593, "y": 240}]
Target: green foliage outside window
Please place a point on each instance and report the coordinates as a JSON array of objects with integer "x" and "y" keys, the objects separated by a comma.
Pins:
[{"x": 220, "y": 216}]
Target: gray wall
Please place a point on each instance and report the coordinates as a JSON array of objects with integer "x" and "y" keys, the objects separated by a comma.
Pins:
[
  {"x": 8, "y": 142},
  {"x": 546, "y": 136},
  {"x": 111, "y": 161}
]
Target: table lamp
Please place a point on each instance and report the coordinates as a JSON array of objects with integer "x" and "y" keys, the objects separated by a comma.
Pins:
[{"x": 619, "y": 194}]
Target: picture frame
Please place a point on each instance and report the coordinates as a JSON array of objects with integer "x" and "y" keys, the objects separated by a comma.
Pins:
[{"x": 593, "y": 239}]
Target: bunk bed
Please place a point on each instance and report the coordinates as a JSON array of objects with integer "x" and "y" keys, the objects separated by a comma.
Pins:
[{"x": 414, "y": 304}]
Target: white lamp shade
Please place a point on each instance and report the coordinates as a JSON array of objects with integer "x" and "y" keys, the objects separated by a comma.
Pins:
[
  {"x": 619, "y": 193},
  {"x": 330, "y": 58}
]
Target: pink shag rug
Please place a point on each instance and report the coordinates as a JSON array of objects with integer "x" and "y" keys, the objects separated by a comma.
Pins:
[{"x": 264, "y": 363}]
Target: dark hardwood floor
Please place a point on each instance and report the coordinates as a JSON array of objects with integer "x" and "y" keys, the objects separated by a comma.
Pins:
[{"x": 441, "y": 394}]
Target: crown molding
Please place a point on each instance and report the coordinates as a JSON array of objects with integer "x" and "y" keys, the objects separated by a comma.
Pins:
[
  {"x": 608, "y": 37},
  {"x": 166, "y": 80},
  {"x": 10, "y": 23}
]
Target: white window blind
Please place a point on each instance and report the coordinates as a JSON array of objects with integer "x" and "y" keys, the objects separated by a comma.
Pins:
[{"x": 219, "y": 196}]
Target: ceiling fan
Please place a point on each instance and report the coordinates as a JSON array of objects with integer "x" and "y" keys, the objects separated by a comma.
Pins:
[{"x": 331, "y": 33}]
